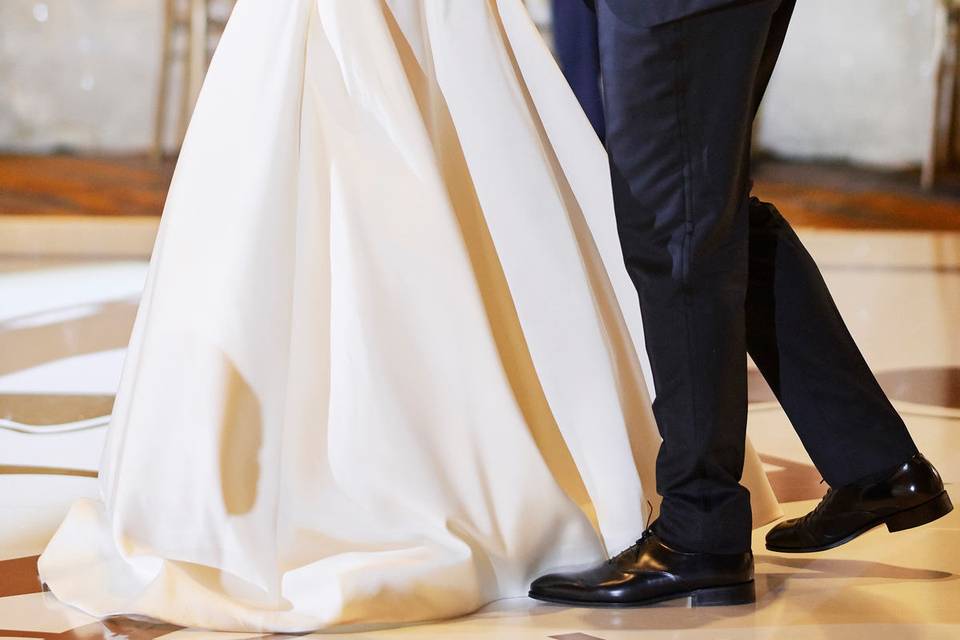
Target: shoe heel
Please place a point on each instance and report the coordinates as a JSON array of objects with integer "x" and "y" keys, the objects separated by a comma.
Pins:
[
  {"x": 719, "y": 596},
  {"x": 920, "y": 515}
]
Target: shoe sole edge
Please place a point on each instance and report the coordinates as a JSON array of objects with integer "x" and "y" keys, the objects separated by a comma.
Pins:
[{"x": 723, "y": 595}]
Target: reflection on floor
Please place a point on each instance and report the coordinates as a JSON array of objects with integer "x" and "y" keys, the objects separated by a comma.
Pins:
[
  {"x": 64, "y": 325},
  {"x": 879, "y": 586}
]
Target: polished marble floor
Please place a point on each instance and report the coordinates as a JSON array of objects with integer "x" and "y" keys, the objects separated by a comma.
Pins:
[
  {"x": 882, "y": 587},
  {"x": 64, "y": 323}
]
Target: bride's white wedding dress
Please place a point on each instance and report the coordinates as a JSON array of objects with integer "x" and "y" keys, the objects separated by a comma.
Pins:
[{"x": 386, "y": 364}]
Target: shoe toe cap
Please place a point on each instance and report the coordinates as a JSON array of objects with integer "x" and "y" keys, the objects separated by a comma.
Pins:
[
  {"x": 561, "y": 586},
  {"x": 784, "y": 535},
  {"x": 551, "y": 581}
]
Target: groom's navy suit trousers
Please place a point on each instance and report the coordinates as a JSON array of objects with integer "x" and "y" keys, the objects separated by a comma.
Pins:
[
  {"x": 648, "y": 13},
  {"x": 719, "y": 273}
]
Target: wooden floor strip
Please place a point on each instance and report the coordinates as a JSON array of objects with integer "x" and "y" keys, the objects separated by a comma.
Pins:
[
  {"x": 25, "y": 470},
  {"x": 18, "y": 577}
]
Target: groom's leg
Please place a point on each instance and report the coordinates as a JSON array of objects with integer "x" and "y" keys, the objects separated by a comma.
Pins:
[
  {"x": 802, "y": 346},
  {"x": 680, "y": 105}
]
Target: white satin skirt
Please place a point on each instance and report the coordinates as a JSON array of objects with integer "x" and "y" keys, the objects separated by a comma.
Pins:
[{"x": 388, "y": 366}]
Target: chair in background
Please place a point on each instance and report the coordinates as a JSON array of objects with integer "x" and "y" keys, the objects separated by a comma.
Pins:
[
  {"x": 944, "y": 150},
  {"x": 191, "y": 30}
]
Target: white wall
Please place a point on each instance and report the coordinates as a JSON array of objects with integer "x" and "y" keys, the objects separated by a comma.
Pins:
[
  {"x": 78, "y": 73},
  {"x": 854, "y": 81}
]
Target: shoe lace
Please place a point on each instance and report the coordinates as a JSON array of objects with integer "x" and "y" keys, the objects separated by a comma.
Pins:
[
  {"x": 635, "y": 547},
  {"x": 827, "y": 497}
]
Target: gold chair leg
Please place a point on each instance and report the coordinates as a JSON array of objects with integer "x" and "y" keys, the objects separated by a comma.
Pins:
[
  {"x": 196, "y": 66},
  {"x": 944, "y": 143},
  {"x": 163, "y": 89}
]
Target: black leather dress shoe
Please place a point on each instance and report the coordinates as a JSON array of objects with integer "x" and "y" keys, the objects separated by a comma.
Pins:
[
  {"x": 910, "y": 496},
  {"x": 651, "y": 572}
]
